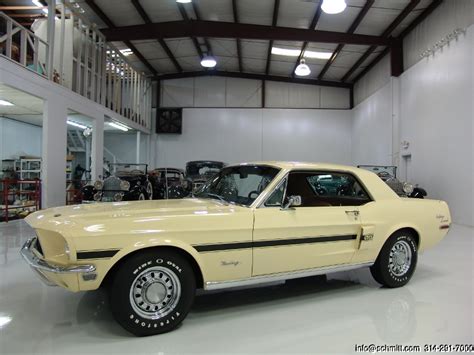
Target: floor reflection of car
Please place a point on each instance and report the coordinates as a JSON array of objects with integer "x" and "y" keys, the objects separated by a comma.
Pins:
[
  {"x": 170, "y": 183},
  {"x": 200, "y": 171},
  {"x": 127, "y": 182},
  {"x": 389, "y": 175}
]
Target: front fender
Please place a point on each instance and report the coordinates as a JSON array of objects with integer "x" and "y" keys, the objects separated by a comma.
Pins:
[{"x": 104, "y": 267}]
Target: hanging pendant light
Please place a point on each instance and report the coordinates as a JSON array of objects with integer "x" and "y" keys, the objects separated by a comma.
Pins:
[
  {"x": 333, "y": 6},
  {"x": 302, "y": 69},
  {"x": 208, "y": 61}
]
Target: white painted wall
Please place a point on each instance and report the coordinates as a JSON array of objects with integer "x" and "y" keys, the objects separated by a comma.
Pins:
[
  {"x": 437, "y": 117},
  {"x": 18, "y": 138},
  {"x": 237, "y": 135},
  {"x": 434, "y": 100},
  {"x": 372, "y": 129},
  {"x": 233, "y": 92},
  {"x": 124, "y": 147}
]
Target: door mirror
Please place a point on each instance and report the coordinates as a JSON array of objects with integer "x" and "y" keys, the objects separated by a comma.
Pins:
[{"x": 291, "y": 201}]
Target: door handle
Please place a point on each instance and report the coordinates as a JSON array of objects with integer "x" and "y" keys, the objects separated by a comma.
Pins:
[{"x": 354, "y": 212}]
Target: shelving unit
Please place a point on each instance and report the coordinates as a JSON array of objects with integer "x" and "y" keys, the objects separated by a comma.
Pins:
[{"x": 30, "y": 169}]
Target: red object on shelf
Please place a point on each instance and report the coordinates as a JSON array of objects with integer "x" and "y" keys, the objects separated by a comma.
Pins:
[{"x": 10, "y": 191}]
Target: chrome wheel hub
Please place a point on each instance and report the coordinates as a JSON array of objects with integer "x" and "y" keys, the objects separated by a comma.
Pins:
[
  {"x": 400, "y": 258},
  {"x": 155, "y": 293}
]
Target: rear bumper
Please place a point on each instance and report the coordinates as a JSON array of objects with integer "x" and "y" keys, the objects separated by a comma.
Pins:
[{"x": 51, "y": 274}]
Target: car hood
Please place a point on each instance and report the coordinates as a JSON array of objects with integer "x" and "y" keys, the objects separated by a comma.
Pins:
[{"x": 71, "y": 221}]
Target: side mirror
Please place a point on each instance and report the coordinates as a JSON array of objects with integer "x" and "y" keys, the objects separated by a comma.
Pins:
[{"x": 291, "y": 201}]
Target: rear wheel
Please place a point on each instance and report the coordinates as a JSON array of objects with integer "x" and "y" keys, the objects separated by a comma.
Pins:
[
  {"x": 396, "y": 262},
  {"x": 152, "y": 292}
]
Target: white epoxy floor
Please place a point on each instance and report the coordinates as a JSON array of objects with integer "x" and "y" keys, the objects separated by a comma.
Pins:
[{"x": 436, "y": 307}]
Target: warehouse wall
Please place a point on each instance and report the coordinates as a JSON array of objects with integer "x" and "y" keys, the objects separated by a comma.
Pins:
[
  {"x": 232, "y": 92},
  {"x": 124, "y": 147},
  {"x": 447, "y": 17},
  {"x": 18, "y": 138},
  {"x": 434, "y": 101},
  {"x": 236, "y": 135}
]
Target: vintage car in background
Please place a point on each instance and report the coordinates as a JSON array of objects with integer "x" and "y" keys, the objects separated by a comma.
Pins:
[
  {"x": 200, "y": 171},
  {"x": 127, "y": 182},
  {"x": 250, "y": 224},
  {"x": 389, "y": 175},
  {"x": 169, "y": 183}
]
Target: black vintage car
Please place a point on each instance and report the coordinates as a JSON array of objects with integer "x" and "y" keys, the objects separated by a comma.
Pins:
[
  {"x": 169, "y": 183},
  {"x": 389, "y": 175},
  {"x": 127, "y": 182},
  {"x": 200, "y": 171}
]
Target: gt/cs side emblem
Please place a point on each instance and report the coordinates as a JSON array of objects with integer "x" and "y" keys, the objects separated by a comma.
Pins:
[{"x": 230, "y": 263}]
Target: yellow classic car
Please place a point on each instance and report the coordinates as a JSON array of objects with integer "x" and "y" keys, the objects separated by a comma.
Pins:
[{"x": 250, "y": 224}]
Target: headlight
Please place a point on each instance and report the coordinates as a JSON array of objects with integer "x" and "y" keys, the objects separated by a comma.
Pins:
[
  {"x": 118, "y": 197},
  {"x": 124, "y": 185},
  {"x": 98, "y": 185},
  {"x": 408, "y": 188},
  {"x": 97, "y": 196}
]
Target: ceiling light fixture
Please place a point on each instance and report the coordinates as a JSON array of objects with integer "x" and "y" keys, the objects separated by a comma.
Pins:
[
  {"x": 118, "y": 126},
  {"x": 5, "y": 103},
  {"x": 126, "y": 51},
  {"x": 39, "y": 4},
  {"x": 302, "y": 69},
  {"x": 184, "y": 1},
  {"x": 297, "y": 52},
  {"x": 333, "y": 6},
  {"x": 75, "y": 124},
  {"x": 208, "y": 61}
]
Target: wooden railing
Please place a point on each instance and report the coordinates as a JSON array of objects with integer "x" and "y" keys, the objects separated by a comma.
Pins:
[{"x": 72, "y": 52}]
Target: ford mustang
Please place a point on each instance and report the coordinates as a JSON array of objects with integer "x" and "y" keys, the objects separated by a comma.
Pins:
[{"x": 250, "y": 224}]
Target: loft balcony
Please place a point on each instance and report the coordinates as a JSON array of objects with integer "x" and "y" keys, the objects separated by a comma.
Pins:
[{"x": 70, "y": 51}]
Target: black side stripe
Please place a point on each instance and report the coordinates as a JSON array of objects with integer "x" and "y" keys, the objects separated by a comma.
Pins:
[
  {"x": 102, "y": 254},
  {"x": 272, "y": 243}
]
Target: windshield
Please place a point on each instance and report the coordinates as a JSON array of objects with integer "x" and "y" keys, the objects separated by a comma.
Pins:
[
  {"x": 128, "y": 169},
  {"x": 239, "y": 184}
]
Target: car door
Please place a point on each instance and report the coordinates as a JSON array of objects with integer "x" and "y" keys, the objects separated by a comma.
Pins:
[{"x": 323, "y": 231}]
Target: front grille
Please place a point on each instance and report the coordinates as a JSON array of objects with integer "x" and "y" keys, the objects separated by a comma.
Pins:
[{"x": 111, "y": 187}]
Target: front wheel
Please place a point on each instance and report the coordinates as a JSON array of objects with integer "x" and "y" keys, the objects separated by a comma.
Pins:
[
  {"x": 396, "y": 262},
  {"x": 152, "y": 292}
]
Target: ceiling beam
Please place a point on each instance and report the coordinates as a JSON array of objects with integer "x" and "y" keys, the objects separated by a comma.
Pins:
[
  {"x": 199, "y": 28},
  {"x": 26, "y": 15},
  {"x": 388, "y": 31},
  {"x": 185, "y": 16},
  {"x": 141, "y": 11},
  {"x": 21, "y": 8},
  {"x": 253, "y": 76},
  {"x": 352, "y": 28},
  {"x": 276, "y": 9},
  {"x": 235, "y": 12},
  {"x": 94, "y": 7},
  {"x": 312, "y": 26}
]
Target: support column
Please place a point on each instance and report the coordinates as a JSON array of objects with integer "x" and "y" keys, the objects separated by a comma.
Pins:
[
  {"x": 395, "y": 82},
  {"x": 97, "y": 154},
  {"x": 138, "y": 147},
  {"x": 54, "y": 146}
]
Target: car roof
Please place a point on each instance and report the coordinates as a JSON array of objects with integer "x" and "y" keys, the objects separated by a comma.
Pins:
[{"x": 293, "y": 165}]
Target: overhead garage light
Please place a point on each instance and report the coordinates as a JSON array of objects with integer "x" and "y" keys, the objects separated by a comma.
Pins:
[
  {"x": 126, "y": 51},
  {"x": 208, "y": 61},
  {"x": 119, "y": 126},
  {"x": 302, "y": 69},
  {"x": 5, "y": 103},
  {"x": 75, "y": 124},
  {"x": 333, "y": 6},
  {"x": 297, "y": 52},
  {"x": 184, "y": 1}
]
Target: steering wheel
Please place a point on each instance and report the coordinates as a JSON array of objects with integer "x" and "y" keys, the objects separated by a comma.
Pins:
[{"x": 252, "y": 193}]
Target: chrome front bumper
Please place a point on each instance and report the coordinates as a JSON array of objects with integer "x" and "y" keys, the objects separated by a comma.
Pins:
[{"x": 30, "y": 254}]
